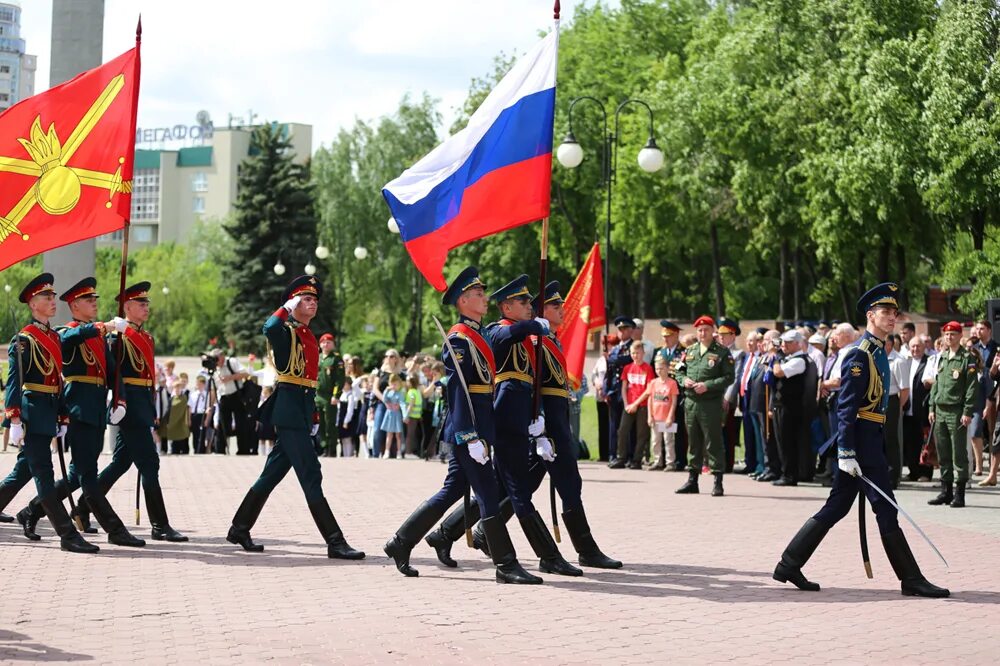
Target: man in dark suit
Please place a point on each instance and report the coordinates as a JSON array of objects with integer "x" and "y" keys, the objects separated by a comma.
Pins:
[{"x": 915, "y": 414}]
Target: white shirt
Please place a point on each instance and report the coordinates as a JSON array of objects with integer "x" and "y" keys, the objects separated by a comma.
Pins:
[
  {"x": 647, "y": 354},
  {"x": 598, "y": 373},
  {"x": 794, "y": 365},
  {"x": 198, "y": 401},
  {"x": 899, "y": 371},
  {"x": 835, "y": 372},
  {"x": 930, "y": 370},
  {"x": 818, "y": 358},
  {"x": 231, "y": 366}
]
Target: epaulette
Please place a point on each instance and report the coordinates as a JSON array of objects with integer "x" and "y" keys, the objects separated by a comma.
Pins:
[{"x": 866, "y": 346}]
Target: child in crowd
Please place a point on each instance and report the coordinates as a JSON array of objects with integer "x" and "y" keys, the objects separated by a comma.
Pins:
[
  {"x": 198, "y": 405},
  {"x": 413, "y": 412},
  {"x": 177, "y": 429},
  {"x": 392, "y": 422},
  {"x": 265, "y": 434},
  {"x": 635, "y": 376},
  {"x": 366, "y": 424},
  {"x": 662, "y": 394},
  {"x": 347, "y": 418}
]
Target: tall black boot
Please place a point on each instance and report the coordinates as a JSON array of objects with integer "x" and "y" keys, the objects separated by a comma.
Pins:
[
  {"x": 912, "y": 582},
  {"x": 550, "y": 559},
  {"x": 479, "y": 540},
  {"x": 69, "y": 539},
  {"x": 451, "y": 530},
  {"x": 244, "y": 520},
  {"x": 336, "y": 545},
  {"x": 691, "y": 487},
  {"x": 109, "y": 520},
  {"x": 798, "y": 552},
  {"x": 717, "y": 488},
  {"x": 589, "y": 553},
  {"x": 409, "y": 535},
  {"x": 162, "y": 531},
  {"x": 509, "y": 570},
  {"x": 7, "y": 493},
  {"x": 959, "y": 500},
  {"x": 28, "y": 518},
  {"x": 944, "y": 497}
]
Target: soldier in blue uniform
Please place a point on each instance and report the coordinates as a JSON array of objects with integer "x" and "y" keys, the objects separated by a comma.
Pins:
[
  {"x": 134, "y": 414},
  {"x": 861, "y": 406},
  {"x": 618, "y": 358},
  {"x": 87, "y": 364},
  {"x": 469, "y": 426},
  {"x": 291, "y": 409},
  {"x": 34, "y": 406}
]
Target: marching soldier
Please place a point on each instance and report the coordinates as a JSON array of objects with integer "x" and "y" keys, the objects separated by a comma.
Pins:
[
  {"x": 331, "y": 378},
  {"x": 133, "y": 412},
  {"x": 861, "y": 405},
  {"x": 469, "y": 425},
  {"x": 86, "y": 363},
  {"x": 34, "y": 404},
  {"x": 705, "y": 372},
  {"x": 291, "y": 409},
  {"x": 952, "y": 400}
]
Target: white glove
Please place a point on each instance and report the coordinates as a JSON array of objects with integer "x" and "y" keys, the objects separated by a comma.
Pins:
[
  {"x": 850, "y": 466},
  {"x": 545, "y": 325},
  {"x": 315, "y": 428},
  {"x": 544, "y": 448},
  {"x": 61, "y": 432},
  {"x": 117, "y": 414},
  {"x": 119, "y": 324},
  {"x": 16, "y": 431},
  {"x": 537, "y": 427},
  {"x": 292, "y": 303},
  {"x": 477, "y": 450}
]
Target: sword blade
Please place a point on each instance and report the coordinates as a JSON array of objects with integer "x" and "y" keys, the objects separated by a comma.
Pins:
[{"x": 907, "y": 516}]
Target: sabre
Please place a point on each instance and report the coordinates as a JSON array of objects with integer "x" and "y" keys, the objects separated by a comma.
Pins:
[
  {"x": 863, "y": 533},
  {"x": 907, "y": 516},
  {"x": 472, "y": 413}
]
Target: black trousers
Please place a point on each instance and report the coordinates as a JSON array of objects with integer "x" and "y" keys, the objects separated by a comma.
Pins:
[
  {"x": 602, "y": 430},
  {"x": 788, "y": 429},
  {"x": 234, "y": 420},
  {"x": 198, "y": 445},
  {"x": 913, "y": 443}
]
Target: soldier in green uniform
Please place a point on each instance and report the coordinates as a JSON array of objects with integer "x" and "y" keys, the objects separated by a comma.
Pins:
[
  {"x": 951, "y": 402},
  {"x": 34, "y": 406},
  {"x": 331, "y": 378},
  {"x": 705, "y": 371}
]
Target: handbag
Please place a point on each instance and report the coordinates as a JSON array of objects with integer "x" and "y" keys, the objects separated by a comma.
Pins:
[{"x": 928, "y": 454}]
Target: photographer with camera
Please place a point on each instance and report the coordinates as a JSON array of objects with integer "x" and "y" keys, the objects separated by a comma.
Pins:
[{"x": 234, "y": 417}]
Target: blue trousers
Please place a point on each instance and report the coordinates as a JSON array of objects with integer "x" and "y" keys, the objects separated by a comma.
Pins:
[
  {"x": 293, "y": 449},
  {"x": 85, "y": 442},
  {"x": 615, "y": 409},
  {"x": 871, "y": 457},
  {"x": 464, "y": 472},
  {"x": 512, "y": 461},
  {"x": 750, "y": 437},
  {"x": 132, "y": 445}
]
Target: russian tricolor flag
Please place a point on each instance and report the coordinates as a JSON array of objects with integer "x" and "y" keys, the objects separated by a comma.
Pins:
[{"x": 493, "y": 175}]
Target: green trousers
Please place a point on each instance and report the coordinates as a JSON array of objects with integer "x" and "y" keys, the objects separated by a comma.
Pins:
[
  {"x": 951, "y": 438},
  {"x": 704, "y": 431}
]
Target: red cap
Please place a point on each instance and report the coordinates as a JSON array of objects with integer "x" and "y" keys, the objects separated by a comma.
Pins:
[
  {"x": 704, "y": 320},
  {"x": 952, "y": 326},
  {"x": 326, "y": 336}
]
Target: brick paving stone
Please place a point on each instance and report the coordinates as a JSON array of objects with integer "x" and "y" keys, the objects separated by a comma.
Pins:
[{"x": 696, "y": 587}]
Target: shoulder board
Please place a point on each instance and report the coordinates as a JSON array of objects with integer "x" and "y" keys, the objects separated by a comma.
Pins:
[{"x": 865, "y": 346}]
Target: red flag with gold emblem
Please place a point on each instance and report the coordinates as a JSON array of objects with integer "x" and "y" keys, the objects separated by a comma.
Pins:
[
  {"x": 66, "y": 160},
  {"x": 583, "y": 314}
]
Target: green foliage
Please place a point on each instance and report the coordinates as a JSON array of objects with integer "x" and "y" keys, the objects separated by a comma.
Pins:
[{"x": 369, "y": 347}]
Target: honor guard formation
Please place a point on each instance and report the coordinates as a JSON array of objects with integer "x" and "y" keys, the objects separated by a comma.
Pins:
[{"x": 506, "y": 422}]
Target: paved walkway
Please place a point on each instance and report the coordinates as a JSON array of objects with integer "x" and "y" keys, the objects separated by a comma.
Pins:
[{"x": 696, "y": 587}]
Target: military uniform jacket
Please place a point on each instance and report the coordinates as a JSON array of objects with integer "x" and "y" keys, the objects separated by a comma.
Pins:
[
  {"x": 863, "y": 398},
  {"x": 87, "y": 365},
  {"x": 618, "y": 358},
  {"x": 135, "y": 379},
  {"x": 555, "y": 388},
  {"x": 295, "y": 354},
  {"x": 476, "y": 363},
  {"x": 715, "y": 368},
  {"x": 331, "y": 378},
  {"x": 956, "y": 381},
  {"x": 34, "y": 392},
  {"x": 515, "y": 358}
]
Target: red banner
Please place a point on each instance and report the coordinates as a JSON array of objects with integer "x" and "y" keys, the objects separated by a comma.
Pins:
[
  {"x": 66, "y": 160},
  {"x": 584, "y": 313}
]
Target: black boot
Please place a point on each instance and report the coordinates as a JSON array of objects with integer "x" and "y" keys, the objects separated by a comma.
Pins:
[
  {"x": 336, "y": 546},
  {"x": 717, "y": 488},
  {"x": 944, "y": 497},
  {"x": 959, "y": 500},
  {"x": 479, "y": 540},
  {"x": 4, "y": 518},
  {"x": 589, "y": 553},
  {"x": 409, "y": 535},
  {"x": 509, "y": 570},
  {"x": 69, "y": 539},
  {"x": 28, "y": 518},
  {"x": 162, "y": 531},
  {"x": 109, "y": 520},
  {"x": 691, "y": 487},
  {"x": 798, "y": 552},
  {"x": 912, "y": 582},
  {"x": 550, "y": 559},
  {"x": 451, "y": 530},
  {"x": 7, "y": 493},
  {"x": 244, "y": 520}
]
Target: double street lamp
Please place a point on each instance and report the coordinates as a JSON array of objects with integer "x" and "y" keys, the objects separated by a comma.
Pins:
[{"x": 570, "y": 155}]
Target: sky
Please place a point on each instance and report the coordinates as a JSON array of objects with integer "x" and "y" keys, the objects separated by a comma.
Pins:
[{"x": 324, "y": 63}]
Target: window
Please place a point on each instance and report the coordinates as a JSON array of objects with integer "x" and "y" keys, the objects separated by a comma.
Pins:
[
  {"x": 4, "y": 97},
  {"x": 4, "y": 69},
  {"x": 143, "y": 234},
  {"x": 199, "y": 182},
  {"x": 198, "y": 204},
  {"x": 7, "y": 14}
]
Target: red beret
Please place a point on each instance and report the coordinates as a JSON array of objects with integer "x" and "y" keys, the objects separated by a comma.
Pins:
[
  {"x": 704, "y": 320},
  {"x": 952, "y": 326},
  {"x": 326, "y": 336}
]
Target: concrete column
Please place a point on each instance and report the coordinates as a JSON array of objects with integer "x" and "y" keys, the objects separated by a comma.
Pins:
[{"x": 77, "y": 45}]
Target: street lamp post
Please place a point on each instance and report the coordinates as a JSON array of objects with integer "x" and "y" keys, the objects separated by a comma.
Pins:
[{"x": 570, "y": 155}]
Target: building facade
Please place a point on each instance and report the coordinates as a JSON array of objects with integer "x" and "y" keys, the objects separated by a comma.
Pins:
[
  {"x": 17, "y": 68},
  {"x": 173, "y": 189}
]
